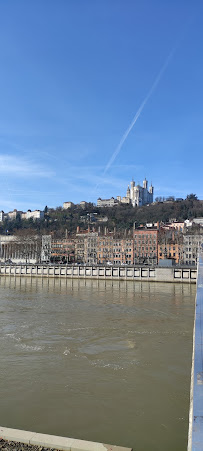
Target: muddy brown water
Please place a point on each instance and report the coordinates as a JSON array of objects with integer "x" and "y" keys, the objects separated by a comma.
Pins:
[{"x": 95, "y": 360}]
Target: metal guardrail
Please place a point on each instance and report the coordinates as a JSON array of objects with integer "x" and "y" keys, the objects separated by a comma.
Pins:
[{"x": 195, "y": 434}]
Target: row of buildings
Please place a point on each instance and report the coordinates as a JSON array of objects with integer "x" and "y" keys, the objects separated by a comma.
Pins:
[
  {"x": 153, "y": 244},
  {"x": 12, "y": 215},
  {"x": 145, "y": 245}
]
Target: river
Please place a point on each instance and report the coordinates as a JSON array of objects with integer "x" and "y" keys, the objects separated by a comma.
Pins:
[{"x": 95, "y": 360}]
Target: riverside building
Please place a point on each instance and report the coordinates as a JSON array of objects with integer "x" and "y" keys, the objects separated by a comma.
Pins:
[
  {"x": 115, "y": 250},
  {"x": 172, "y": 251},
  {"x": 146, "y": 245},
  {"x": 191, "y": 245}
]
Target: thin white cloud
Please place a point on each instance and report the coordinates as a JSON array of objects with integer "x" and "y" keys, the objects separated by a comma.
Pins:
[
  {"x": 80, "y": 180},
  {"x": 21, "y": 167},
  {"x": 139, "y": 111}
]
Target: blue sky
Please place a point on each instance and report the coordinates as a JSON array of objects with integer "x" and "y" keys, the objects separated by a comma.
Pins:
[{"x": 73, "y": 75}]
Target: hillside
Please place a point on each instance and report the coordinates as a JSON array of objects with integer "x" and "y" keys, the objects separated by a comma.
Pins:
[{"x": 122, "y": 217}]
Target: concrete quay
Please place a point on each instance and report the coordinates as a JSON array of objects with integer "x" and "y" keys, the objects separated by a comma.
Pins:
[
  {"x": 54, "y": 441},
  {"x": 131, "y": 273}
]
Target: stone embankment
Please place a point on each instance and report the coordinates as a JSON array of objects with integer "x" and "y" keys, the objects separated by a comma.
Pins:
[{"x": 144, "y": 273}]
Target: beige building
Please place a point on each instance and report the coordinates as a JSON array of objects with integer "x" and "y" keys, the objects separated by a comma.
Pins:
[
  {"x": 86, "y": 247},
  {"x": 176, "y": 225},
  {"x": 12, "y": 214},
  {"x": 36, "y": 214},
  {"x": 83, "y": 203},
  {"x": 107, "y": 202},
  {"x": 67, "y": 205}
]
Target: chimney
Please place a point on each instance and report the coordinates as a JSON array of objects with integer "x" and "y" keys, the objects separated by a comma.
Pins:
[{"x": 78, "y": 229}]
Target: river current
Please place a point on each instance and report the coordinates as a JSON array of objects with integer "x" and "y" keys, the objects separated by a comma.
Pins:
[{"x": 95, "y": 360}]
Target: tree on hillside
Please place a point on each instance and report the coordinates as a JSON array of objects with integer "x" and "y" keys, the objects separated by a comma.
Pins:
[{"x": 191, "y": 197}]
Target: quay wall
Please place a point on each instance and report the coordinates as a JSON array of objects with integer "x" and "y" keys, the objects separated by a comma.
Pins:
[
  {"x": 146, "y": 273},
  {"x": 54, "y": 441}
]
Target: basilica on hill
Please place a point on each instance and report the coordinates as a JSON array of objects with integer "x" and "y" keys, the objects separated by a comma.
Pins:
[
  {"x": 136, "y": 195},
  {"x": 140, "y": 195}
]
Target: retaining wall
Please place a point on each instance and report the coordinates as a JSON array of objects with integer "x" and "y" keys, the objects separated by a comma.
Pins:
[{"x": 152, "y": 274}]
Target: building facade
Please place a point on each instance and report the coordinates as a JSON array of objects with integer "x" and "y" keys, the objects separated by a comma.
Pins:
[
  {"x": 67, "y": 205},
  {"x": 24, "y": 248},
  {"x": 63, "y": 250},
  {"x": 146, "y": 246},
  {"x": 36, "y": 214},
  {"x": 115, "y": 250},
  {"x": 107, "y": 202},
  {"x": 172, "y": 251},
  {"x": 46, "y": 248},
  {"x": 191, "y": 245}
]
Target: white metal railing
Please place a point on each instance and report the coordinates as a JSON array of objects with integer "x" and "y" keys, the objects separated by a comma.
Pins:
[{"x": 195, "y": 433}]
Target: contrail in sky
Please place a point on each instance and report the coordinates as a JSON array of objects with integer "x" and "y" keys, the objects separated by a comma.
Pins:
[{"x": 125, "y": 135}]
